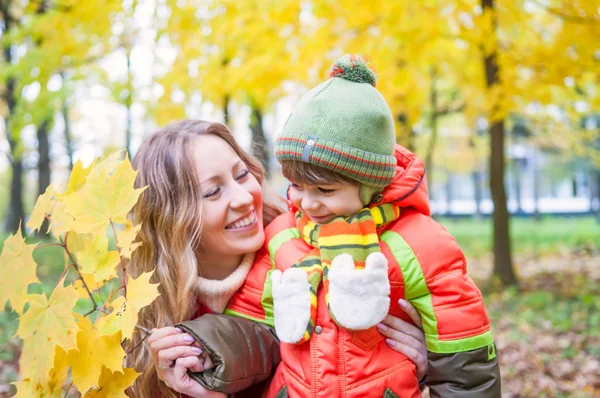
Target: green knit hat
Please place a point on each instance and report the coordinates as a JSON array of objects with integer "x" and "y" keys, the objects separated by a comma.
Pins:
[{"x": 344, "y": 125}]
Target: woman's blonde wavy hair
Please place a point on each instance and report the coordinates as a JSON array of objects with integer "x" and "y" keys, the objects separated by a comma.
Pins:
[{"x": 170, "y": 212}]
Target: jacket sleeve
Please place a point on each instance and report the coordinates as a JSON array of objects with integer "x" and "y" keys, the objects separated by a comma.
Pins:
[
  {"x": 470, "y": 374},
  {"x": 463, "y": 362},
  {"x": 244, "y": 352}
]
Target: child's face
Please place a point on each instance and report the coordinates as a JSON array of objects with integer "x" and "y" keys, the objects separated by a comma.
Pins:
[{"x": 323, "y": 203}]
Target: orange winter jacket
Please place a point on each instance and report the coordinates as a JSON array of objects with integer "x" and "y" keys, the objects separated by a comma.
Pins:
[{"x": 427, "y": 268}]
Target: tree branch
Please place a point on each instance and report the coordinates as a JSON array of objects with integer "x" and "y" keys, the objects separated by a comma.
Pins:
[
  {"x": 79, "y": 272},
  {"x": 148, "y": 333}
]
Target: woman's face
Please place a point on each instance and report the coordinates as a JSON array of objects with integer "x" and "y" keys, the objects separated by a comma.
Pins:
[{"x": 232, "y": 202}]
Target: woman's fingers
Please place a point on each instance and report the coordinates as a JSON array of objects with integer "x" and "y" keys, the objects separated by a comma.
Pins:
[
  {"x": 418, "y": 357},
  {"x": 400, "y": 336},
  {"x": 167, "y": 356},
  {"x": 169, "y": 341},
  {"x": 412, "y": 312},
  {"x": 182, "y": 365},
  {"x": 158, "y": 334},
  {"x": 395, "y": 323}
]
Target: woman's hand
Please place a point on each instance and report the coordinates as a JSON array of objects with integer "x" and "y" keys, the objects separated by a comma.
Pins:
[
  {"x": 179, "y": 380},
  {"x": 406, "y": 338},
  {"x": 173, "y": 353}
]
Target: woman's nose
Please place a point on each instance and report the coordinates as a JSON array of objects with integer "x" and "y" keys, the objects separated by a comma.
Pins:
[{"x": 241, "y": 197}]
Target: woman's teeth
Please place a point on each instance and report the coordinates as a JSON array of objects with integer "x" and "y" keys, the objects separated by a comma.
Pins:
[{"x": 244, "y": 222}]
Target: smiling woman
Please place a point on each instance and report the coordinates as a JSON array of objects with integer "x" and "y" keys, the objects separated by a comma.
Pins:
[{"x": 202, "y": 222}]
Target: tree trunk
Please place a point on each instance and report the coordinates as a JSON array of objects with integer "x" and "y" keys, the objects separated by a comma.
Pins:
[
  {"x": 43, "y": 165},
  {"x": 598, "y": 195},
  {"x": 477, "y": 190},
  {"x": 259, "y": 143},
  {"x": 433, "y": 122},
  {"x": 15, "y": 211},
  {"x": 128, "y": 102},
  {"x": 503, "y": 266},
  {"x": 15, "y": 208},
  {"x": 68, "y": 139},
  {"x": 407, "y": 139},
  {"x": 449, "y": 194}
]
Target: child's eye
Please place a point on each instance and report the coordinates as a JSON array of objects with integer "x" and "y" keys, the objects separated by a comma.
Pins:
[
  {"x": 326, "y": 191},
  {"x": 295, "y": 186},
  {"x": 242, "y": 175}
]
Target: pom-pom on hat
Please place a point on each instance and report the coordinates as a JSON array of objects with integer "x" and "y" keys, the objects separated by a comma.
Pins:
[{"x": 344, "y": 125}]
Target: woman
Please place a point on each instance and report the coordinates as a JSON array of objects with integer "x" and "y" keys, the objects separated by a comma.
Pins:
[{"x": 202, "y": 221}]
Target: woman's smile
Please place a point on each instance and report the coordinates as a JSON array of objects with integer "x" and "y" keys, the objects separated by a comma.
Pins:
[{"x": 245, "y": 223}]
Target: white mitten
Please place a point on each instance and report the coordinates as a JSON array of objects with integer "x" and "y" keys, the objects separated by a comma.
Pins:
[
  {"x": 291, "y": 304},
  {"x": 359, "y": 298}
]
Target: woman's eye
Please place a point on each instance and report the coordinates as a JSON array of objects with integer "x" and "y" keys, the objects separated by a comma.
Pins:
[
  {"x": 212, "y": 193},
  {"x": 326, "y": 191},
  {"x": 242, "y": 175}
]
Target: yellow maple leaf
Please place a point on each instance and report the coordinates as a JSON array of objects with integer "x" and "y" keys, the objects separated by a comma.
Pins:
[
  {"x": 61, "y": 221},
  {"x": 18, "y": 271},
  {"x": 78, "y": 242},
  {"x": 113, "y": 384},
  {"x": 98, "y": 260},
  {"x": 106, "y": 197},
  {"x": 25, "y": 389},
  {"x": 59, "y": 373},
  {"x": 126, "y": 239},
  {"x": 43, "y": 207},
  {"x": 93, "y": 351},
  {"x": 77, "y": 178},
  {"x": 47, "y": 323},
  {"x": 140, "y": 293},
  {"x": 91, "y": 282}
]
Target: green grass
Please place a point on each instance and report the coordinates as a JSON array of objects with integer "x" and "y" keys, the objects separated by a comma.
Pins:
[{"x": 528, "y": 236}]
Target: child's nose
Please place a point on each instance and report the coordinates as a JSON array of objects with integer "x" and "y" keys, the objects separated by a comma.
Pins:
[{"x": 309, "y": 203}]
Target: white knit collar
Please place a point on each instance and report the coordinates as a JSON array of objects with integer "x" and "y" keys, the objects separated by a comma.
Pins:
[{"x": 217, "y": 293}]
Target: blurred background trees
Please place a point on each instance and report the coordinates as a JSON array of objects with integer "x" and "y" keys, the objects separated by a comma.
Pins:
[{"x": 500, "y": 98}]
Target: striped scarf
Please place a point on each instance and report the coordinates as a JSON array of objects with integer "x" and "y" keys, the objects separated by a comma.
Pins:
[{"x": 355, "y": 235}]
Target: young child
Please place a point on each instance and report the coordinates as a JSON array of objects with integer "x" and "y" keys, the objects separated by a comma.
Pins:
[{"x": 359, "y": 239}]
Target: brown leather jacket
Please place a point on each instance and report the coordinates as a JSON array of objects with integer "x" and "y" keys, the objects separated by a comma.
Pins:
[{"x": 244, "y": 352}]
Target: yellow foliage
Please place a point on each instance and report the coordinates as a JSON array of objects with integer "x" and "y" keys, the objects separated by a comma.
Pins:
[
  {"x": 97, "y": 260},
  {"x": 46, "y": 324},
  {"x": 18, "y": 271},
  {"x": 76, "y": 179},
  {"x": 113, "y": 384},
  {"x": 53, "y": 342},
  {"x": 140, "y": 293},
  {"x": 104, "y": 199},
  {"x": 93, "y": 352},
  {"x": 43, "y": 207},
  {"x": 126, "y": 239}
]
